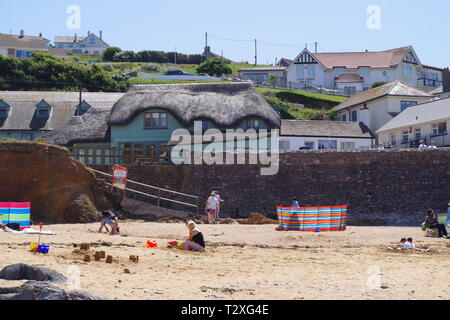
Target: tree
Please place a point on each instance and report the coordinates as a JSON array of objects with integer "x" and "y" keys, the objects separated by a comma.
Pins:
[
  {"x": 214, "y": 67},
  {"x": 377, "y": 84},
  {"x": 125, "y": 56},
  {"x": 108, "y": 54}
]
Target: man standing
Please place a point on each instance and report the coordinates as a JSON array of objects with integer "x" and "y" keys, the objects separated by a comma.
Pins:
[
  {"x": 295, "y": 203},
  {"x": 212, "y": 205},
  {"x": 219, "y": 201}
]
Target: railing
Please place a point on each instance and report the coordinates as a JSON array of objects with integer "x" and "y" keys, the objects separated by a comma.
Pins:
[
  {"x": 122, "y": 156},
  {"x": 158, "y": 192}
]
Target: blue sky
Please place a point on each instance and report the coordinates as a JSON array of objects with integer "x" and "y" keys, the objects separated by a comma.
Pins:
[{"x": 164, "y": 25}]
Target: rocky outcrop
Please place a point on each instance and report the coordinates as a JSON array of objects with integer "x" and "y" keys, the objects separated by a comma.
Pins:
[
  {"x": 142, "y": 210},
  {"x": 25, "y": 272},
  {"x": 60, "y": 189},
  {"x": 34, "y": 290}
]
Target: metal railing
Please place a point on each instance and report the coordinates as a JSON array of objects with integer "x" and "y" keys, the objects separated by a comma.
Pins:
[
  {"x": 122, "y": 156},
  {"x": 156, "y": 190}
]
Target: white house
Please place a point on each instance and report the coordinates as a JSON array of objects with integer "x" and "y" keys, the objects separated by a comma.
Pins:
[
  {"x": 322, "y": 134},
  {"x": 378, "y": 106},
  {"x": 22, "y": 46},
  {"x": 428, "y": 121},
  {"x": 358, "y": 71},
  {"x": 87, "y": 45}
]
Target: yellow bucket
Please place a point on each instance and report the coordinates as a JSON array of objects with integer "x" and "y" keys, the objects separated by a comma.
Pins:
[{"x": 33, "y": 247}]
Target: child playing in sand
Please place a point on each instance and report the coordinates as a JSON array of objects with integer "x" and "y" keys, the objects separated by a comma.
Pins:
[
  {"x": 195, "y": 240},
  {"x": 109, "y": 218}
]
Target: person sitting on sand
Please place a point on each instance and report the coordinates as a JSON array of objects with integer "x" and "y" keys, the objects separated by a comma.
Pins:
[
  {"x": 432, "y": 222},
  {"x": 2, "y": 226},
  {"x": 409, "y": 244},
  {"x": 402, "y": 242},
  {"x": 195, "y": 240},
  {"x": 109, "y": 218}
]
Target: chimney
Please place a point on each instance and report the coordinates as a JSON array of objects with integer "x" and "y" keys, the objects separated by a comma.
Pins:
[
  {"x": 101, "y": 34},
  {"x": 446, "y": 80},
  {"x": 40, "y": 34},
  {"x": 89, "y": 33},
  {"x": 75, "y": 38},
  {"x": 22, "y": 34}
]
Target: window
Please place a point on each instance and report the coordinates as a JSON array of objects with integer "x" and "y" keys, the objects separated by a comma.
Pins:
[
  {"x": 407, "y": 71},
  {"x": 406, "y": 104},
  {"x": 350, "y": 90},
  {"x": 43, "y": 110},
  {"x": 4, "y": 110},
  {"x": 418, "y": 134},
  {"x": 309, "y": 145},
  {"x": 355, "y": 116},
  {"x": 311, "y": 71},
  {"x": 344, "y": 117},
  {"x": 82, "y": 109},
  {"x": 409, "y": 58},
  {"x": 27, "y": 136},
  {"x": 253, "y": 124},
  {"x": 284, "y": 144},
  {"x": 439, "y": 128},
  {"x": 204, "y": 125},
  {"x": 347, "y": 145},
  {"x": 393, "y": 140},
  {"x": 405, "y": 136},
  {"x": 155, "y": 120},
  {"x": 23, "y": 54},
  {"x": 327, "y": 144}
]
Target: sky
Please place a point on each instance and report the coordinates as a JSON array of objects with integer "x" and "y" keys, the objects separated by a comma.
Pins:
[{"x": 282, "y": 28}]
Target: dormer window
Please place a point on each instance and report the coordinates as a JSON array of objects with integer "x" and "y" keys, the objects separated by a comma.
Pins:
[
  {"x": 409, "y": 58},
  {"x": 82, "y": 109},
  {"x": 253, "y": 124},
  {"x": 4, "y": 110},
  {"x": 43, "y": 110}
]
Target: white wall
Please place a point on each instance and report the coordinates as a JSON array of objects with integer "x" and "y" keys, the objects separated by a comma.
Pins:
[
  {"x": 295, "y": 143},
  {"x": 3, "y": 52}
]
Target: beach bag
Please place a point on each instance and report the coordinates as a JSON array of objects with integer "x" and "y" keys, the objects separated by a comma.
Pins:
[{"x": 424, "y": 226}]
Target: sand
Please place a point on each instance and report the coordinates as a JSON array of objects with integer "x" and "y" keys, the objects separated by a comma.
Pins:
[{"x": 243, "y": 262}]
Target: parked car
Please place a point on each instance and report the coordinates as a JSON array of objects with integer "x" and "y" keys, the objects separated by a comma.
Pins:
[{"x": 177, "y": 73}]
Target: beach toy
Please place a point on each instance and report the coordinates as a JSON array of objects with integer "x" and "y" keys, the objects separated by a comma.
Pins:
[
  {"x": 173, "y": 243},
  {"x": 317, "y": 229},
  {"x": 34, "y": 247},
  {"x": 118, "y": 230},
  {"x": 43, "y": 249},
  {"x": 151, "y": 244}
]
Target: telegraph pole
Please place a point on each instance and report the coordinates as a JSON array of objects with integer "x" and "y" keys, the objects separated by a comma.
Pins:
[
  {"x": 81, "y": 97},
  {"x": 315, "y": 44},
  {"x": 256, "y": 53}
]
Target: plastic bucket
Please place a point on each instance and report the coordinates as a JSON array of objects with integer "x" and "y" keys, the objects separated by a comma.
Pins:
[{"x": 43, "y": 249}]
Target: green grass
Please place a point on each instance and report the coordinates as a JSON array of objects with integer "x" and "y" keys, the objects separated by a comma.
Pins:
[
  {"x": 235, "y": 67},
  {"x": 320, "y": 96},
  {"x": 133, "y": 81}
]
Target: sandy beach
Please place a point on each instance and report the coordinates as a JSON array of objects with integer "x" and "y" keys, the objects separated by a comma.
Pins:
[{"x": 243, "y": 262}]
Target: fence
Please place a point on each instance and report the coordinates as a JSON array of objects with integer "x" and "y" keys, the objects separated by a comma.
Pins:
[
  {"x": 290, "y": 85},
  {"x": 155, "y": 193},
  {"x": 121, "y": 156}
]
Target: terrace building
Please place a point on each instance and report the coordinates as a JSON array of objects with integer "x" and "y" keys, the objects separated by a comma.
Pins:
[
  {"x": 22, "y": 46},
  {"x": 91, "y": 44}
]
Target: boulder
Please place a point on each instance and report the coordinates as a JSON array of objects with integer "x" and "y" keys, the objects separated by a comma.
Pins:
[
  {"x": 60, "y": 189},
  {"x": 25, "y": 272},
  {"x": 146, "y": 211},
  {"x": 34, "y": 290}
]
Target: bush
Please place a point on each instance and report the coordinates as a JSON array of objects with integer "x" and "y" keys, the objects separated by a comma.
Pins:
[
  {"x": 214, "y": 67},
  {"x": 124, "y": 56},
  {"x": 152, "y": 67},
  {"x": 108, "y": 54},
  {"x": 312, "y": 102},
  {"x": 107, "y": 68}
]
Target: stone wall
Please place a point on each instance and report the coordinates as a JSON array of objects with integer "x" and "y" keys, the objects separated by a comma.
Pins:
[{"x": 393, "y": 187}]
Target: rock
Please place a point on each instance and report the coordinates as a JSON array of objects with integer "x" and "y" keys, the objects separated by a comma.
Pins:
[
  {"x": 146, "y": 211},
  {"x": 25, "y": 272},
  {"x": 33, "y": 290},
  {"x": 60, "y": 189}
]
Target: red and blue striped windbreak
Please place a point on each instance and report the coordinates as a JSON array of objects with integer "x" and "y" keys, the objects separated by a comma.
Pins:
[
  {"x": 312, "y": 219},
  {"x": 16, "y": 212}
]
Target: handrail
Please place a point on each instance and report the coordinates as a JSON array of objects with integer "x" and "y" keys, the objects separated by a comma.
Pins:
[{"x": 149, "y": 186}]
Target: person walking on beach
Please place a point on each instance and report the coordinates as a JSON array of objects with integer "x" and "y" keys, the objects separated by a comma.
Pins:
[
  {"x": 212, "y": 205},
  {"x": 219, "y": 201}
]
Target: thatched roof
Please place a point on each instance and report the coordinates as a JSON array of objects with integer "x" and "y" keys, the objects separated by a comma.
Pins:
[
  {"x": 225, "y": 104},
  {"x": 324, "y": 128},
  {"x": 22, "y": 108},
  {"x": 90, "y": 127}
]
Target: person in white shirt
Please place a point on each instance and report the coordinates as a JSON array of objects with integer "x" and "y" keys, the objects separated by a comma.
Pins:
[
  {"x": 409, "y": 244},
  {"x": 432, "y": 146},
  {"x": 219, "y": 201},
  {"x": 423, "y": 145},
  {"x": 212, "y": 205}
]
